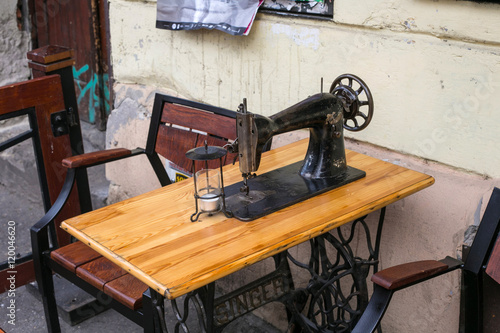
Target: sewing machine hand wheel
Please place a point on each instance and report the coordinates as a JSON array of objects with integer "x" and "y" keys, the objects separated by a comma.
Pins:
[{"x": 355, "y": 95}]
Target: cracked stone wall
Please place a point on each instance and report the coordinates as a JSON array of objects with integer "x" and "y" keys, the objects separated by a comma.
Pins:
[
  {"x": 14, "y": 44},
  {"x": 128, "y": 126}
]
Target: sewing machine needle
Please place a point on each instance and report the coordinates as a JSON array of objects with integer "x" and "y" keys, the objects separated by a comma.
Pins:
[{"x": 245, "y": 187}]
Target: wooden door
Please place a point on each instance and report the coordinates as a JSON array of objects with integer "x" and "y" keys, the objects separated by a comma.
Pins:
[{"x": 81, "y": 25}]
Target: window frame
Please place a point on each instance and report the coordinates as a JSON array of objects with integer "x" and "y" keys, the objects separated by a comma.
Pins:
[{"x": 301, "y": 12}]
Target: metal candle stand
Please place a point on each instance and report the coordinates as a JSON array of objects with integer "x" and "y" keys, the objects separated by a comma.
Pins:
[{"x": 206, "y": 154}]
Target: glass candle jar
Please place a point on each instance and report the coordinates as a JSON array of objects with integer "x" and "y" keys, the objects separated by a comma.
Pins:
[{"x": 209, "y": 191}]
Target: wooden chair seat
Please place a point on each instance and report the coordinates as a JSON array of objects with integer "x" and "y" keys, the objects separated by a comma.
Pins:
[
  {"x": 98, "y": 272},
  {"x": 74, "y": 255},
  {"x": 101, "y": 273},
  {"x": 126, "y": 289}
]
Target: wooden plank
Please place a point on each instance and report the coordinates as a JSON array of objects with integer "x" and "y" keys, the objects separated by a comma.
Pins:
[
  {"x": 95, "y": 157},
  {"x": 402, "y": 275},
  {"x": 128, "y": 290},
  {"x": 42, "y": 91},
  {"x": 23, "y": 272},
  {"x": 50, "y": 53},
  {"x": 173, "y": 143},
  {"x": 493, "y": 267},
  {"x": 73, "y": 255},
  {"x": 200, "y": 120},
  {"x": 174, "y": 256},
  {"x": 39, "y": 68},
  {"x": 100, "y": 271}
]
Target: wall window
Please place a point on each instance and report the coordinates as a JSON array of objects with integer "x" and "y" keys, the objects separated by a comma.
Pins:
[{"x": 317, "y": 8}]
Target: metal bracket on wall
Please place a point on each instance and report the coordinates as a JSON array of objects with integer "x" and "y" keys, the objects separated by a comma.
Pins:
[{"x": 61, "y": 121}]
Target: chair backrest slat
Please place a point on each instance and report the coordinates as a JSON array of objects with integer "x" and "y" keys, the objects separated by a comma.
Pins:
[
  {"x": 172, "y": 142},
  {"x": 185, "y": 125},
  {"x": 493, "y": 266},
  {"x": 486, "y": 234},
  {"x": 201, "y": 120}
]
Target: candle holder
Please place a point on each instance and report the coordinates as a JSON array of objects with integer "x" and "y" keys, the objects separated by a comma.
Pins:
[{"x": 208, "y": 183}]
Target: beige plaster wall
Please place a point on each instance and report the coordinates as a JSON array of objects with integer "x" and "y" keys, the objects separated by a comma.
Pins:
[
  {"x": 429, "y": 224},
  {"x": 462, "y": 20},
  {"x": 433, "y": 68},
  {"x": 422, "y": 77}
]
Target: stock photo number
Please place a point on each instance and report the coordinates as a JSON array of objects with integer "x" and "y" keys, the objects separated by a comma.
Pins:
[{"x": 11, "y": 273}]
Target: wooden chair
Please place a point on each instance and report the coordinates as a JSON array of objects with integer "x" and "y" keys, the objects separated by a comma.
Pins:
[
  {"x": 483, "y": 258},
  {"x": 50, "y": 104},
  {"x": 177, "y": 125}
]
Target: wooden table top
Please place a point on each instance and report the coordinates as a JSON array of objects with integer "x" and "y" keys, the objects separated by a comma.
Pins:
[{"x": 151, "y": 235}]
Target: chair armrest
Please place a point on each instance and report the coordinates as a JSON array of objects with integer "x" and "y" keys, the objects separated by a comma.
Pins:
[
  {"x": 58, "y": 204},
  {"x": 99, "y": 157},
  {"x": 394, "y": 278},
  {"x": 40, "y": 243},
  {"x": 405, "y": 275}
]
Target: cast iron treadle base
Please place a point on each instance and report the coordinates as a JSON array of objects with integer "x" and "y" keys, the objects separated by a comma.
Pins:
[{"x": 281, "y": 188}]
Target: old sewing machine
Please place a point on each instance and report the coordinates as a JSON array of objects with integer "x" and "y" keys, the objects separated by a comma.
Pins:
[{"x": 349, "y": 105}]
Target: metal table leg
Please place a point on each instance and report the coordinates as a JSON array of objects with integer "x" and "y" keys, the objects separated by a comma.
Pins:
[
  {"x": 215, "y": 313},
  {"x": 337, "y": 292},
  {"x": 154, "y": 312},
  {"x": 332, "y": 301}
]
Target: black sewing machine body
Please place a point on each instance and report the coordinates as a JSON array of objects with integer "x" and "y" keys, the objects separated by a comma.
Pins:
[
  {"x": 321, "y": 113},
  {"x": 324, "y": 166}
]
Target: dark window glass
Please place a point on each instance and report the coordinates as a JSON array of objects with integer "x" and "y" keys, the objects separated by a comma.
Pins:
[{"x": 319, "y": 8}]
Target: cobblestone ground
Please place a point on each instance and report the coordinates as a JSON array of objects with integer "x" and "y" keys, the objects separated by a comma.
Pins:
[{"x": 30, "y": 319}]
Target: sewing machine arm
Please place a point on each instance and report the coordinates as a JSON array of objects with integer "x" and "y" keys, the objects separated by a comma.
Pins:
[{"x": 321, "y": 113}]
